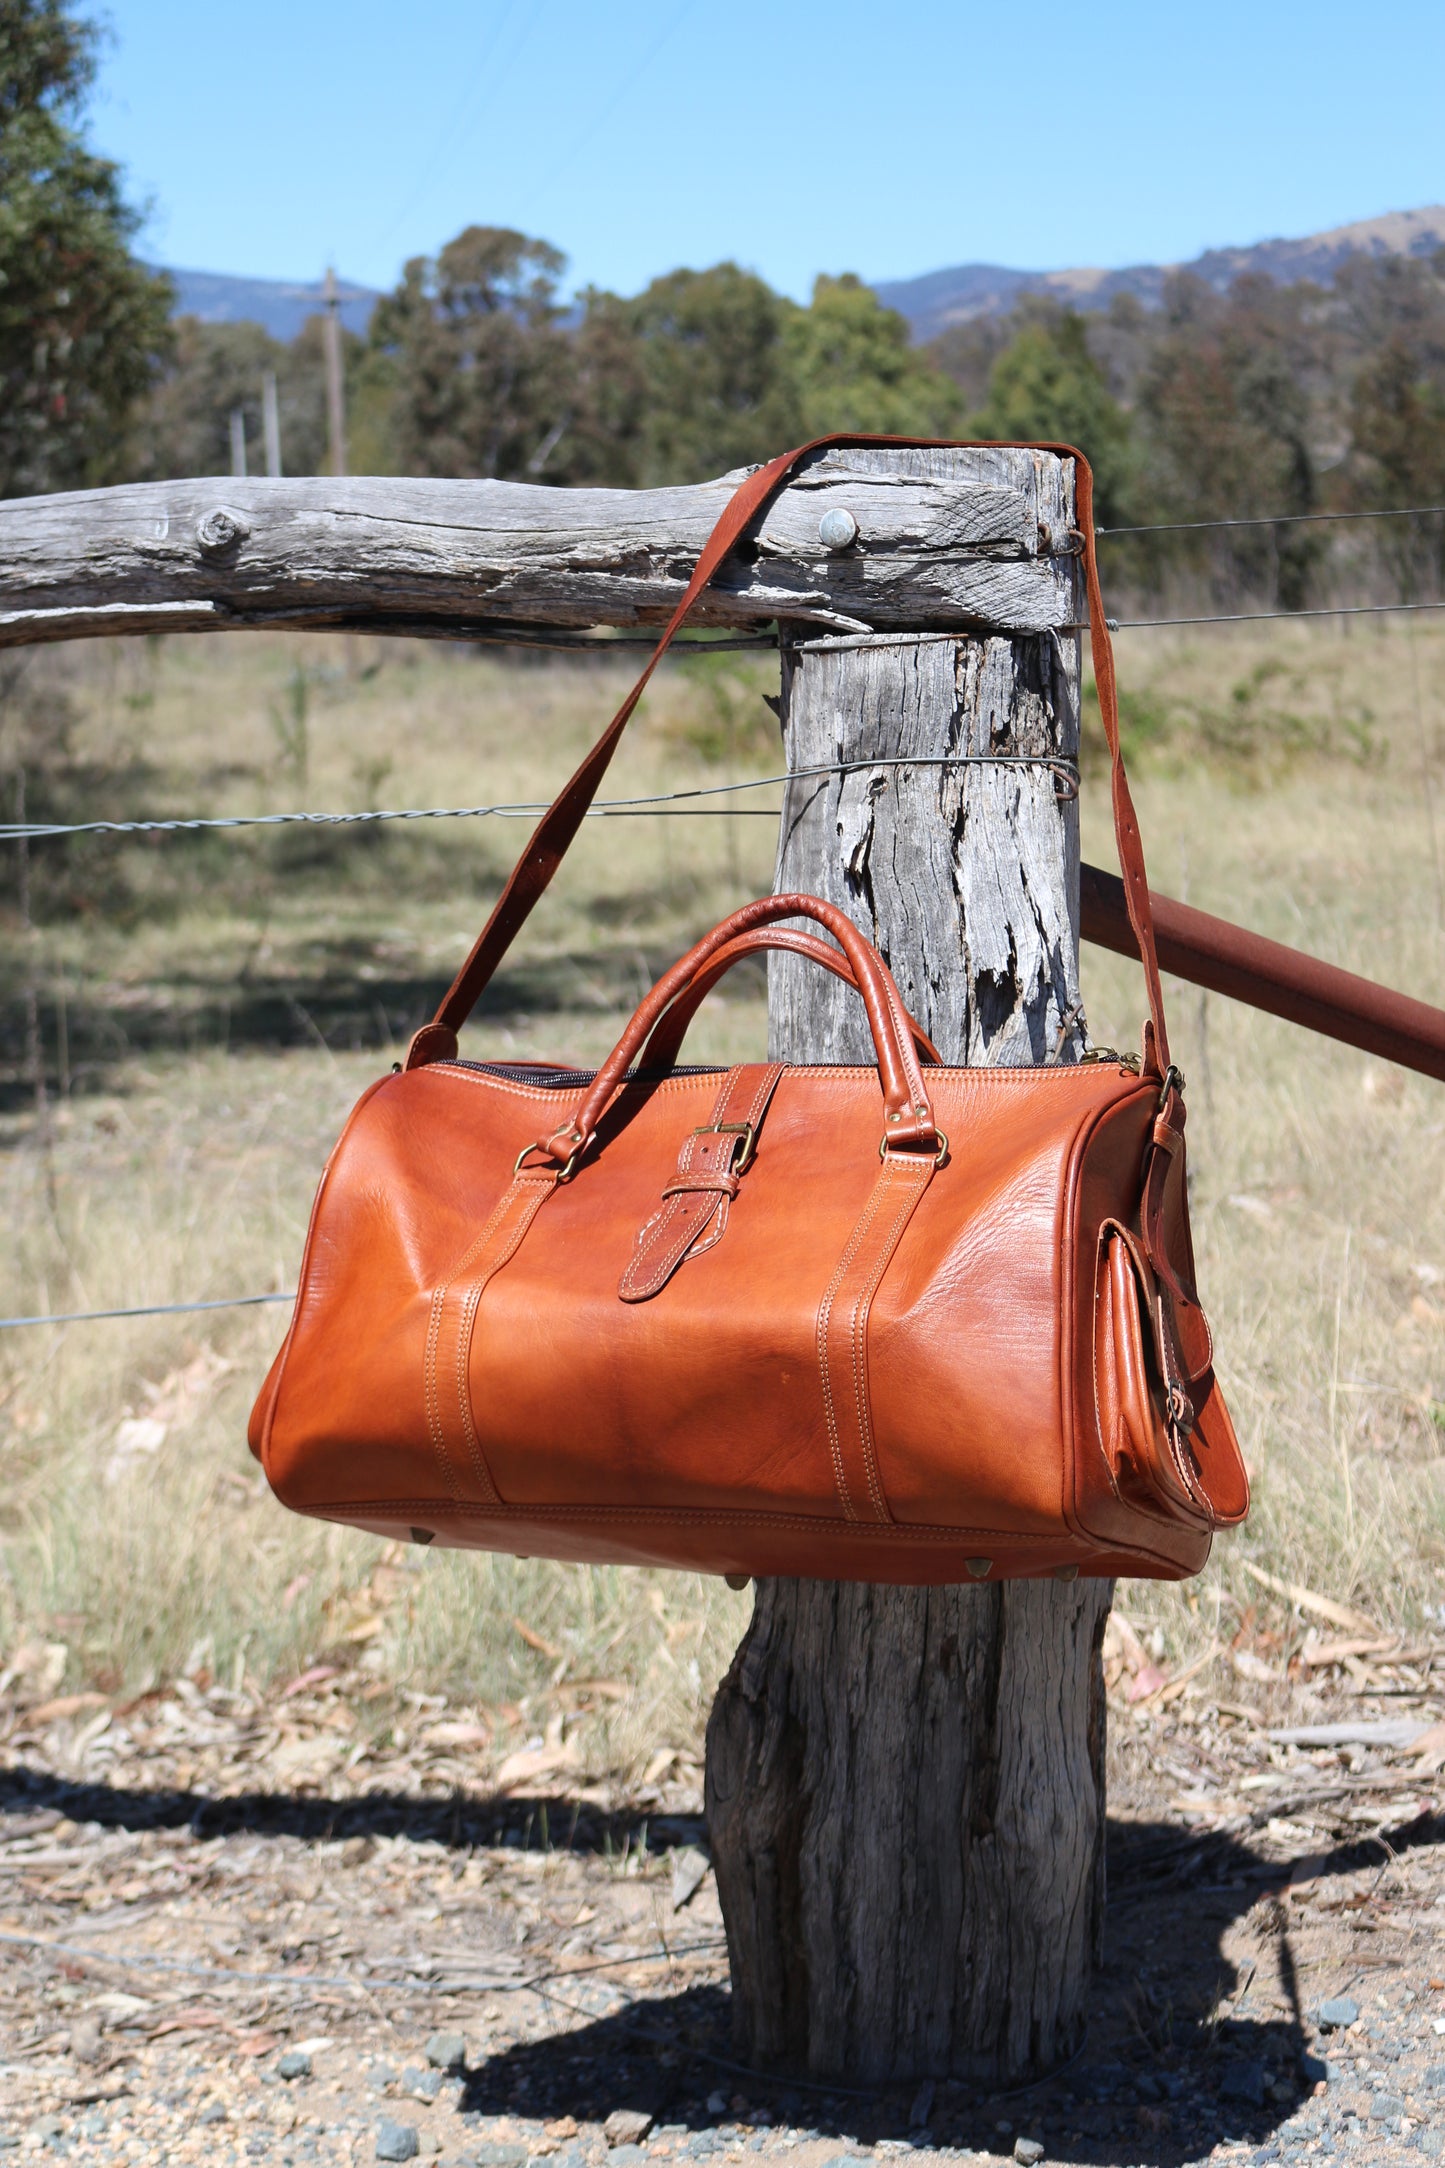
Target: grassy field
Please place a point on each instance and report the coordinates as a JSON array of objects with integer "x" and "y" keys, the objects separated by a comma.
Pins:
[{"x": 209, "y": 1007}]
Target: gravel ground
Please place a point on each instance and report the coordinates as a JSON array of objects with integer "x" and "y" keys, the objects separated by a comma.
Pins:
[{"x": 395, "y": 1963}]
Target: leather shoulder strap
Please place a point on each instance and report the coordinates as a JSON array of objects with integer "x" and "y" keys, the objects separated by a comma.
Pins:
[{"x": 549, "y": 842}]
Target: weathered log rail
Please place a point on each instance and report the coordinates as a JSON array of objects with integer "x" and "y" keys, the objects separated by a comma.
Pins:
[{"x": 912, "y": 549}]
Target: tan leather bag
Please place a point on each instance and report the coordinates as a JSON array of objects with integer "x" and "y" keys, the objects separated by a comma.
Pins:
[{"x": 904, "y": 1323}]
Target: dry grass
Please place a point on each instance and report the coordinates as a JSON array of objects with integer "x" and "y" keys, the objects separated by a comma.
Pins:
[
  {"x": 1318, "y": 1175},
  {"x": 224, "y": 1001}
]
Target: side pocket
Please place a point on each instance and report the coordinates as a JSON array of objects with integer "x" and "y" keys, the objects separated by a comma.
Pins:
[{"x": 1196, "y": 1474}]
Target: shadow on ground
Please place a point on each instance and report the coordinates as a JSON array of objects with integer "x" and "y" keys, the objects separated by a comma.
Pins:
[
  {"x": 1176, "y": 2060},
  {"x": 339, "y": 1000},
  {"x": 460, "y": 1821}
]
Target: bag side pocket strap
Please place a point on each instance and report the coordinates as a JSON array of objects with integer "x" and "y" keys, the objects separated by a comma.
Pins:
[
  {"x": 843, "y": 1330},
  {"x": 447, "y": 1360}
]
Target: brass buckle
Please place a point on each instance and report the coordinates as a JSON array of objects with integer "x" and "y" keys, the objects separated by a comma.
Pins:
[
  {"x": 887, "y": 1149},
  {"x": 1172, "y": 1076},
  {"x": 745, "y": 1130}
]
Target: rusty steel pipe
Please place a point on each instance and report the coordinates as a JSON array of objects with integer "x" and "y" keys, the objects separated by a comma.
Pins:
[{"x": 1228, "y": 960}]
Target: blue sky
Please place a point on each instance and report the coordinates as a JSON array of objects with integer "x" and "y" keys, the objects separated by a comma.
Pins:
[{"x": 795, "y": 136}]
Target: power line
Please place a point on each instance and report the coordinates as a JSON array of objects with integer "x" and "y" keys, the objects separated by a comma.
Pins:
[
  {"x": 464, "y": 117},
  {"x": 1276, "y": 519},
  {"x": 1245, "y": 617},
  {"x": 600, "y": 118},
  {"x": 147, "y": 1309}
]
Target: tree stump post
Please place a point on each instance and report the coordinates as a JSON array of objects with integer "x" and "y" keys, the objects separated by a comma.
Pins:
[{"x": 905, "y": 1788}]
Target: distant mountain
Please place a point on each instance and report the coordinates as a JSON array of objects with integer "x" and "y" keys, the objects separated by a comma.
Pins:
[
  {"x": 930, "y": 303},
  {"x": 941, "y": 298},
  {"x": 280, "y": 305}
]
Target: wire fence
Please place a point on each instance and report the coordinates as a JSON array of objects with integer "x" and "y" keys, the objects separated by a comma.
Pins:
[
  {"x": 1065, "y": 772},
  {"x": 678, "y": 804},
  {"x": 1268, "y": 524},
  {"x": 1248, "y": 617},
  {"x": 1276, "y": 519},
  {"x": 142, "y": 1309}
]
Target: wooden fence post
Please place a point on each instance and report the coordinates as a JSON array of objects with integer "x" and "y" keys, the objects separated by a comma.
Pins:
[{"x": 905, "y": 1788}]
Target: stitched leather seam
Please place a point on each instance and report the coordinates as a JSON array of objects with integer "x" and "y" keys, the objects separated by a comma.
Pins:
[
  {"x": 685, "y": 1223},
  {"x": 470, "y": 1307},
  {"x": 431, "y": 1382},
  {"x": 432, "y": 1395},
  {"x": 1193, "y": 1489},
  {"x": 825, "y": 1318},
  {"x": 685, "y": 1245},
  {"x": 1100, "y": 1275},
  {"x": 634, "y": 1279},
  {"x": 690, "y": 1221},
  {"x": 709, "y": 1239},
  {"x": 395, "y": 1508},
  {"x": 1069, "y": 1547},
  {"x": 861, "y": 1310},
  {"x": 857, "y": 1328},
  {"x": 767, "y": 1085},
  {"x": 464, "y": 1398},
  {"x": 431, "y": 1385},
  {"x": 860, "y": 1341},
  {"x": 905, "y": 1040}
]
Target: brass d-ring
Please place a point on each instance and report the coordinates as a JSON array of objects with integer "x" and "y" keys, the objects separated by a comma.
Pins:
[
  {"x": 564, "y": 1173},
  {"x": 887, "y": 1149}
]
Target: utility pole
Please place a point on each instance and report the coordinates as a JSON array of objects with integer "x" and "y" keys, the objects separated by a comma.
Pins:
[
  {"x": 238, "y": 441},
  {"x": 271, "y": 424},
  {"x": 335, "y": 398}
]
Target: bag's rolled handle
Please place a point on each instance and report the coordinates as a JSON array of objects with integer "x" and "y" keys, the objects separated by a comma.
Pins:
[
  {"x": 908, "y": 1116},
  {"x": 665, "y": 1044}
]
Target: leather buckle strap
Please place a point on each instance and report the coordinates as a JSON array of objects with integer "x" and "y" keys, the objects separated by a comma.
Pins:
[
  {"x": 695, "y": 1203},
  {"x": 744, "y": 1131}
]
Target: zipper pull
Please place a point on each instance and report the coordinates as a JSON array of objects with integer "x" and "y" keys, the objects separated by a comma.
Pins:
[{"x": 1109, "y": 1055}]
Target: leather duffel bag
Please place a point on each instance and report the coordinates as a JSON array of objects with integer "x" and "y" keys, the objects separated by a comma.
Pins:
[{"x": 903, "y": 1323}]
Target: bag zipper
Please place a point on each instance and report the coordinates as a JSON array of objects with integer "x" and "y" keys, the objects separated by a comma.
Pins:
[
  {"x": 1109, "y": 1055},
  {"x": 547, "y": 1079},
  {"x": 566, "y": 1080}
]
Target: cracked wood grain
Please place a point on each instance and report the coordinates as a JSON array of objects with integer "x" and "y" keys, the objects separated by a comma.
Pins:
[
  {"x": 452, "y": 558},
  {"x": 906, "y": 1786}
]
